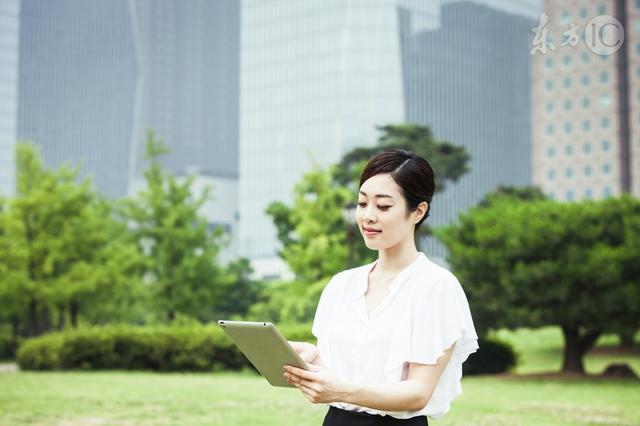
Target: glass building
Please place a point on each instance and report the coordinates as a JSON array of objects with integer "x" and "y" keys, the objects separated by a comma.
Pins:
[
  {"x": 319, "y": 76},
  {"x": 9, "y": 32},
  {"x": 469, "y": 80},
  {"x": 94, "y": 76}
]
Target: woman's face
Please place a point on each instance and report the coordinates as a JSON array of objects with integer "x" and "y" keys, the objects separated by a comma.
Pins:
[{"x": 382, "y": 207}]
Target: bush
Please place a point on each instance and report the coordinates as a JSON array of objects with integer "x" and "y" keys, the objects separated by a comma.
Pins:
[
  {"x": 175, "y": 348},
  {"x": 493, "y": 356}
]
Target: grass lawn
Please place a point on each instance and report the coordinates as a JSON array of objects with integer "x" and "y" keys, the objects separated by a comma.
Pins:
[{"x": 132, "y": 398}]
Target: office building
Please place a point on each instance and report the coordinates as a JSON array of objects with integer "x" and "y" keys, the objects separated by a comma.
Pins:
[
  {"x": 586, "y": 103},
  {"x": 319, "y": 76},
  {"x": 9, "y": 36}
]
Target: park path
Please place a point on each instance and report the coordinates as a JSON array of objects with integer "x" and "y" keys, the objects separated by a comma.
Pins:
[{"x": 8, "y": 367}]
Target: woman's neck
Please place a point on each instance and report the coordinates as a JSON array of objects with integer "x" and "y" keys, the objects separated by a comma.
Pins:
[{"x": 396, "y": 258}]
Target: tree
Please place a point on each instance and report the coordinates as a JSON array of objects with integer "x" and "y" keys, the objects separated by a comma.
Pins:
[
  {"x": 315, "y": 239},
  {"x": 179, "y": 248},
  {"x": 449, "y": 161},
  {"x": 540, "y": 262},
  {"x": 60, "y": 247}
]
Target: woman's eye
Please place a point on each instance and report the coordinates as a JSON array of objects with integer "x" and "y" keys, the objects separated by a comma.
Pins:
[
  {"x": 384, "y": 207},
  {"x": 361, "y": 204}
]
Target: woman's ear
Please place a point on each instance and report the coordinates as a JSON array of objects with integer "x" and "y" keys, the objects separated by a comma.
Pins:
[{"x": 420, "y": 211}]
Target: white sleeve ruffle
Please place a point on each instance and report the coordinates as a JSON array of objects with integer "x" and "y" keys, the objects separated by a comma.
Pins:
[{"x": 434, "y": 322}]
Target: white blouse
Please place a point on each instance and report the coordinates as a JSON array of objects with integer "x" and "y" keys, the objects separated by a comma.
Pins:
[{"x": 423, "y": 314}]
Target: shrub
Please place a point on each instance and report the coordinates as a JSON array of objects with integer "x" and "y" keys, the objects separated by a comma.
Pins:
[
  {"x": 174, "y": 348},
  {"x": 493, "y": 356}
]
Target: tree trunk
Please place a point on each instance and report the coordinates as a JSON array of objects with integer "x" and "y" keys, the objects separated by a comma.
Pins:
[
  {"x": 61, "y": 317},
  {"x": 576, "y": 345},
  {"x": 171, "y": 316},
  {"x": 15, "y": 332},
  {"x": 45, "y": 320},
  {"x": 33, "y": 318},
  {"x": 73, "y": 313},
  {"x": 627, "y": 339}
]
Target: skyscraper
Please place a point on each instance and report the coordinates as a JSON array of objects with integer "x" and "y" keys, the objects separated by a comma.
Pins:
[
  {"x": 586, "y": 102},
  {"x": 469, "y": 79},
  {"x": 95, "y": 76},
  {"x": 319, "y": 76},
  {"x": 9, "y": 31}
]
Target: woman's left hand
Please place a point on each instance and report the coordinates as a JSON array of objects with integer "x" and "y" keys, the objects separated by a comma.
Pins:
[{"x": 318, "y": 385}]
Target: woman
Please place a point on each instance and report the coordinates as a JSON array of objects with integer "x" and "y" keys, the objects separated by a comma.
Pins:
[{"x": 393, "y": 334}]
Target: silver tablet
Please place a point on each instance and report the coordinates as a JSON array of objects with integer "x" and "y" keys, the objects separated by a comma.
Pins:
[{"x": 265, "y": 347}]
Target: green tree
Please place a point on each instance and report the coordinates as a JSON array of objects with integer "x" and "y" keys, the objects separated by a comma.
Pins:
[
  {"x": 539, "y": 262},
  {"x": 313, "y": 231},
  {"x": 449, "y": 161},
  {"x": 316, "y": 240},
  {"x": 60, "y": 248},
  {"x": 180, "y": 250}
]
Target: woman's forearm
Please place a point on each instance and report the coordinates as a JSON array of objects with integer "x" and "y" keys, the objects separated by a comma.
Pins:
[{"x": 407, "y": 395}]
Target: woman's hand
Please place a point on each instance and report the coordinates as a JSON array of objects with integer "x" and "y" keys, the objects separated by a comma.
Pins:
[
  {"x": 318, "y": 385},
  {"x": 307, "y": 351}
]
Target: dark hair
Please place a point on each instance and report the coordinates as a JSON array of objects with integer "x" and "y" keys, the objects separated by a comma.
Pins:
[{"x": 411, "y": 172}]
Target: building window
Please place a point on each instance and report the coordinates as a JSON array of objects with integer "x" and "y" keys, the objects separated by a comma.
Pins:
[
  {"x": 548, "y": 63},
  {"x": 550, "y": 129},
  {"x": 567, "y": 82},
  {"x": 570, "y": 195},
  {"x": 586, "y": 148},
  {"x": 606, "y": 192},
  {"x": 566, "y": 60},
  {"x": 548, "y": 85},
  {"x": 605, "y": 145},
  {"x": 586, "y": 125},
  {"x": 551, "y": 174},
  {"x": 550, "y": 106},
  {"x": 568, "y": 150},
  {"x": 587, "y": 194},
  {"x": 568, "y": 173},
  {"x": 604, "y": 76},
  {"x": 568, "y": 127},
  {"x": 567, "y": 105},
  {"x": 638, "y": 48},
  {"x": 586, "y": 102},
  {"x": 605, "y": 100},
  {"x": 606, "y": 168},
  {"x": 602, "y": 9},
  {"x": 585, "y": 80},
  {"x": 566, "y": 17},
  {"x": 585, "y": 57},
  {"x": 587, "y": 170},
  {"x": 583, "y": 12},
  {"x": 605, "y": 122},
  {"x": 551, "y": 151}
]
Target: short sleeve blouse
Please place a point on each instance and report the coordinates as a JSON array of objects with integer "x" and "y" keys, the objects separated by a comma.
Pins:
[{"x": 423, "y": 314}]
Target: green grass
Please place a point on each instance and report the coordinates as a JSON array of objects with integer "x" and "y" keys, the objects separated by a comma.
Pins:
[{"x": 137, "y": 398}]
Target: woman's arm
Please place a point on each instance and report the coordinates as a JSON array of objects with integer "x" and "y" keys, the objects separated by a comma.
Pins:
[{"x": 413, "y": 394}]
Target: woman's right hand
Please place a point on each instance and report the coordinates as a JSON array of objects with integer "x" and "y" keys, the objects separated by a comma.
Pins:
[{"x": 307, "y": 351}]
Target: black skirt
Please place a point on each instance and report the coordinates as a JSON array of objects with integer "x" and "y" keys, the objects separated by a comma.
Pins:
[{"x": 339, "y": 417}]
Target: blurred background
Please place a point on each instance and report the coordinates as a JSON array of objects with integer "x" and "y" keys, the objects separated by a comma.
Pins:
[{"x": 170, "y": 163}]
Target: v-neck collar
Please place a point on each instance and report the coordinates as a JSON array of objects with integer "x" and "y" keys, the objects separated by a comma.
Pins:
[{"x": 359, "y": 287}]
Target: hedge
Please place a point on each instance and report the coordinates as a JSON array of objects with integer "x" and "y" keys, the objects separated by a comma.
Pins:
[
  {"x": 493, "y": 356},
  {"x": 185, "y": 348},
  {"x": 162, "y": 348}
]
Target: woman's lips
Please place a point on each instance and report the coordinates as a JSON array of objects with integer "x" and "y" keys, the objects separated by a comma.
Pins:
[{"x": 370, "y": 233}]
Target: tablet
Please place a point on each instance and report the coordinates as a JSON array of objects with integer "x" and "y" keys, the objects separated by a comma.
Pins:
[{"x": 265, "y": 347}]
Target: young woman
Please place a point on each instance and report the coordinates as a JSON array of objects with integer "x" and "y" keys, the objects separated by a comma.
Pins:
[{"x": 393, "y": 334}]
